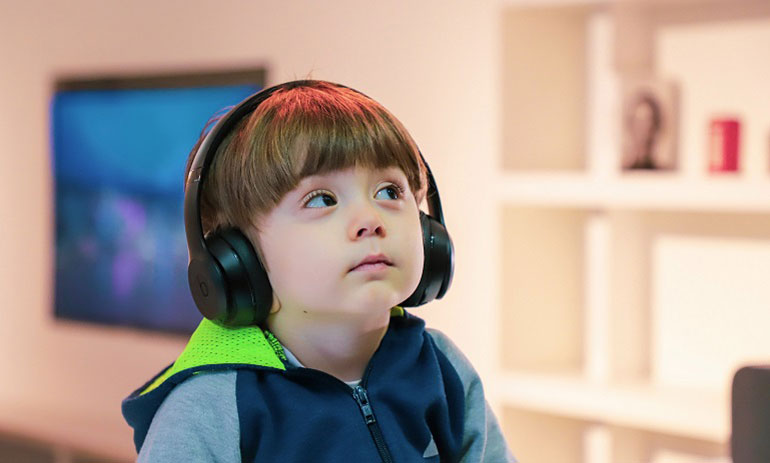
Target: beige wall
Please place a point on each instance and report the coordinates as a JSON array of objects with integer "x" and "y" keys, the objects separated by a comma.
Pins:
[{"x": 433, "y": 63}]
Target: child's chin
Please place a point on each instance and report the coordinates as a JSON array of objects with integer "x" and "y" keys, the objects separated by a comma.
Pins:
[{"x": 376, "y": 301}]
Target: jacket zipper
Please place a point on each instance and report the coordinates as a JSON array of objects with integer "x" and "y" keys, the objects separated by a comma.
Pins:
[
  {"x": 362, "y": 398},
  {"x": 359, "y": 393}
]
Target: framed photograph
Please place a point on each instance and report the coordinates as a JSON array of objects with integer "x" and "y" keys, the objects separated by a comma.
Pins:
[{"x": 649, "y": 124}]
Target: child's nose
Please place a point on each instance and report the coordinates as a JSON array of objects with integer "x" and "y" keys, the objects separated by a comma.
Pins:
[{"x": 366, "y": 221}]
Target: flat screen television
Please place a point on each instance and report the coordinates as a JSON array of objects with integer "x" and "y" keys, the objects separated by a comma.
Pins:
[{"x": 119, "y": 147}]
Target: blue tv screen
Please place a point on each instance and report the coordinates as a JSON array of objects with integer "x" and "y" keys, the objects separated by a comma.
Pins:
[{"x": 119, "y": 149}]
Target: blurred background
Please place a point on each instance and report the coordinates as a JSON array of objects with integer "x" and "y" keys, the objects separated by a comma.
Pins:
[{"x": 604, "y": 168}]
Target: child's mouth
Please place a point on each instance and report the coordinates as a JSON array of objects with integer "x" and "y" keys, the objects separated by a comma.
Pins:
[
  {"x": 372, "y": 267},
  {"x": 373, "y": 262}
]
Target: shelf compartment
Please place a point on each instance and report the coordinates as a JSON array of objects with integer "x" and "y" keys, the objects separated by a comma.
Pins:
[
  {"x": 544, "y": 87},
  {"x": 705, "y": 322},
  {"x": 542, "y": 289}
]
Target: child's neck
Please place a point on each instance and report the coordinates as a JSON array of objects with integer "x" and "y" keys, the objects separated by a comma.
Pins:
[{"x": 340, "y": 348}]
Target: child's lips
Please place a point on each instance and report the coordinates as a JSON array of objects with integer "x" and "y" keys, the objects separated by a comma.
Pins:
[
  {"x": 373, "y": 262},
  {"x": 371, "y": 267}
]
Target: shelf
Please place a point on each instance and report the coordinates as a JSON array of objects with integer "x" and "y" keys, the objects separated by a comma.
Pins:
[
  {"x": 550, "y": 242},
  {"x": 635, "y": 191},
  {"x": 692, "y": 414}
]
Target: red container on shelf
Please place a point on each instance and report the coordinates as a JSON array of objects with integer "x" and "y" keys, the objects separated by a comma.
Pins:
[{"x": 724, "y": 143}]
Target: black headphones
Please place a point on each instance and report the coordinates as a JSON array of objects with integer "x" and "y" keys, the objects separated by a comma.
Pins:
[{"x": 228, "y": 282}]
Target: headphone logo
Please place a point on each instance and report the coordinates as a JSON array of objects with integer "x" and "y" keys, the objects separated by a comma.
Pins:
[{"x": 203, "y": 286}]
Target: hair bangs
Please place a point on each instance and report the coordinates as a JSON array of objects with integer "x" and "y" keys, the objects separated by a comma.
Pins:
[
  {"x": 306, "y": 131},
  {"x": 355, "y": 141}
]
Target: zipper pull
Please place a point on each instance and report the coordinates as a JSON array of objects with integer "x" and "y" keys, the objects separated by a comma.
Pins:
[{"x": 359, "y": 393}]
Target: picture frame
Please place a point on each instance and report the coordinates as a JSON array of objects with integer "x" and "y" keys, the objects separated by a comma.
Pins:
[{"x": 649, "y": 124}]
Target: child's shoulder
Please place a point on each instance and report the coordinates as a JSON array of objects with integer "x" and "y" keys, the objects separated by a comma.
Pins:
[
  {"x": 455, "y": 356},
  {"x": 444, "y": 342},
  {"x": 202, "y": 396},
  {"x": 198, "y": 415}
]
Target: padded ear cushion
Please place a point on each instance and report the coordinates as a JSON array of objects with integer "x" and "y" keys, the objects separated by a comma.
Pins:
[
  {"x": 245, "y": 282},
  {"x": 438, "y": 267}
]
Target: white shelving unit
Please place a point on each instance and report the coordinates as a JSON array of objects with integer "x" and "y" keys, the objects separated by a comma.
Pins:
[{"x": 614, "y": 286}]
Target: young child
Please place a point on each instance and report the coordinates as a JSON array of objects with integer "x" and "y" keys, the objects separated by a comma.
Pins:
[{"x": 325, "y": 184}]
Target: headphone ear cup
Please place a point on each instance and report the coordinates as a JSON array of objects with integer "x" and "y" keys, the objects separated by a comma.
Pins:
[
  {"x": 438, "y": 266},
  {"x": 207, "y": 285},
  {"x": 260, "y": 291},
  {"x": 244, "y": 280}
]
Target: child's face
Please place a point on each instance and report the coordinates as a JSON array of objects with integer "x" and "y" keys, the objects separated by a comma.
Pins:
[{"x": 315, "y": 237}]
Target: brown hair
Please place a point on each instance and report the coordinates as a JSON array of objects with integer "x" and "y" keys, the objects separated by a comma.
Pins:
[{"x": 307, "y": 128}]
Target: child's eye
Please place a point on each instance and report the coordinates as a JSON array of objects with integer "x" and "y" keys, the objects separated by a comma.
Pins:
[
  {"x": 319, "y": 199},
  {"x": 392, "y": 191}
]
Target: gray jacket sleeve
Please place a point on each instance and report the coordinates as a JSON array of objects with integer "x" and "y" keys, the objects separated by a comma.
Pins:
[
  {"x": 198, "y": 421},
  {"x": 483, "y": 441}
]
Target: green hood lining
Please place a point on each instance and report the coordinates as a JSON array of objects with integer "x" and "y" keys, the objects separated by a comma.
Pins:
[{"x": 213, "y": 344}]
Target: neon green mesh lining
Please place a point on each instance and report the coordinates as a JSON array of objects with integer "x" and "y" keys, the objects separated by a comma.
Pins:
[{"x": 212, "y": 344}]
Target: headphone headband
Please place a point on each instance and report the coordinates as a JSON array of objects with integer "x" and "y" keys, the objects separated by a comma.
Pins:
[{"x": 202, "y": 161}]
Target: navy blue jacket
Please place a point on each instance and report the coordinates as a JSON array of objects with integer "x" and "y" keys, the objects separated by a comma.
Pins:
[{"x": 412, "y": 404}]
